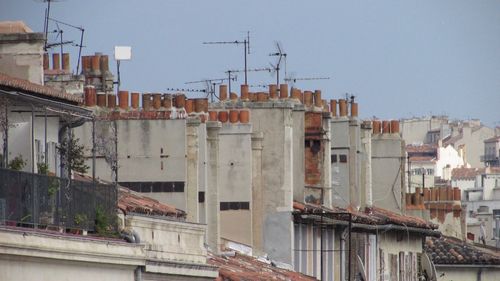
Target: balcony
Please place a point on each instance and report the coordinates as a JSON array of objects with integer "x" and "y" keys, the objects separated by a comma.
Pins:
[
  {"x": 46, "y": 202},
  {"x": 489, "y": 158}
]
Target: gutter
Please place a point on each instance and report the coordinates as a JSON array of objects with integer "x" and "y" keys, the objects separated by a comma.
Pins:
[
  {"x": 468, "y": 265},
  {"x": 374, "y": 228}
]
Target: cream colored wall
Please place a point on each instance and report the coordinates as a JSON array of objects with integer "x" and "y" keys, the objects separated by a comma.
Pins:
[
  {"x": 14, "y": 268},
  {"x": 395, "y": 242},
  {"x": 236, "y": 226}
]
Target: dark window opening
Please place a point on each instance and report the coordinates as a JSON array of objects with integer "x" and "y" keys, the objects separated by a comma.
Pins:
[
  {"x": 343, "y": 158},
  {"x": 201, "y": 197},
  {"x": 333, "y": 158},
  {"x": 169, "y": 186},
  {"x": 224, "y": 206}
]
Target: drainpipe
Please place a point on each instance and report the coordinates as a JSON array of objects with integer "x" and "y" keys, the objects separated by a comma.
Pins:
[
  {"x": 479, "y": 273},
  {"x": 138, "y": 273}
]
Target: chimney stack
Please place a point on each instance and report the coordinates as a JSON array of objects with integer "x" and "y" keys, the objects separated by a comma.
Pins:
[
  {"x": 318, "y": 102},
  {"x": 273, "y": 91},
  {"x": 167, "y": 101},
  {"x": 223, "y": 92},
  {"x": 333, "y": 107},
  {"x": 395, "y": 126},
  {"x": 244, "y": 92},
  {"x": 342, "y": 107},
  {"x": 65, "y": 61},
  {"x": 134, "y": 100},
  {"x": 56, "y": 63},
  {"x": 46, "y": 61},
  {"x": 111, "y": 101},
  {"x": 354, "y": 109},
  {"x": 146, "y": 102},
  {"x": 123, "y": 99},
  {"x": 189, "y": 106},
  {"x": 308, "y": 98},
  {"x": 101, "y": 100},
  {"x": 283, "y": 91},
  {"x": 156, "y": 100},
  {"x": 90, "y": 96}
]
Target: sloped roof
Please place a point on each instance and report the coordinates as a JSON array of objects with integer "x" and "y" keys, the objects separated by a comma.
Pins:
[
  {"x": 242, "y": 267},
  {"x": 451, "y": 251},
  {"x": 421, "y": 148},
  {"x": 466, "y": 173},
  {"x": 372, "y": 216},
  {"x": 131, "y": 201},
  {"x": 493, "y": 139},
  {"x": 12, "y": 83},
  {"x": 9, "y": 27}
]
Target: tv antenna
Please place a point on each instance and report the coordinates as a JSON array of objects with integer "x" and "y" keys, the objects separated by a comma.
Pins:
[
  {"x": 229, "y": 73},
  {"x": 210, "y": 85},
  {"x": 246, "y": 45},
  {"x": 293, "y": 80},
  {"x": 280, "y": 54},
  {"x": 80, "y": 46},
  {"x": 46, "y": 19},
  {"x": 187, "y": 90}
]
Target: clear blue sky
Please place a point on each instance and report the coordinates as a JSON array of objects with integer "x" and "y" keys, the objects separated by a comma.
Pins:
[{"x": 400, "y": 58}]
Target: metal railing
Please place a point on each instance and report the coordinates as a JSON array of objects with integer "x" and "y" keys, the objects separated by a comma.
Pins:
[{"x": 33, "y": 200}]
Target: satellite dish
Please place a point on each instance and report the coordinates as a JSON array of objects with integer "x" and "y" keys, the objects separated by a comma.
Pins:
[
  {"x": 361, "y": 267},
  {"x": 428, "y": 266}
]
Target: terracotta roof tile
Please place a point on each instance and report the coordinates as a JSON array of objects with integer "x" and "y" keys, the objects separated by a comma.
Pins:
[
  {"x": 131, "y": 201},
  {"x": 447, "y": 250},
  {"x": 7, "y": 81},
  {"x": 422, "y": 159},
  {"x": 373, "y": 216},
  {"x": 466, "y": 173},
  {"x": 431, "y": 148},
  {"x": 493, "y": 139},
  {"x": 242, "y": 267}
]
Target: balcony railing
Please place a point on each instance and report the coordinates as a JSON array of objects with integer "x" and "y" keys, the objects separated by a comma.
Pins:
[
  {"x": 489, "y": 157},
  {"x": 32, "y": 200}
]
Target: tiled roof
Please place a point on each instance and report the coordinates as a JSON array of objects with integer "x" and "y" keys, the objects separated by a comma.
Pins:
[
  {"x": 421, "y": 148},
  {"x": 493, "y": 139},
  {"x": 242, "y": 267},
  {"x": 7, "y": 27},
  {"x": 372, "y": 216},
  {"x": 422, "y": 159},
  {"x": 131, "y": 201},
  {"x": 447, "y": 250},
  {"x": 13, "y": 83},
  {"x": 466, "y": 173},
  {"x": 471, "y": 173}
]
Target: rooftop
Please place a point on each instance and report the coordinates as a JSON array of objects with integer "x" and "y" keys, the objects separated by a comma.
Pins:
[
  {"x": 9, "y": 27},
  {"x": 373, "y": 216},
  {"x": 451, "y": 251},
  {"x": 11, "y": 83},
  {"x": 242, "y": 267},
  {"x": 131, "y": 201}
]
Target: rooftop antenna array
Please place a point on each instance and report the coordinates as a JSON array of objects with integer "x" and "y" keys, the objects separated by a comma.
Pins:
[
  {"x": 46, "y": 19},
  {"x": 280, "y": 54},
  {"x": 229, "y": 73},
  {"x": 189, "y": 90},
  {"x": 293, "y": 80},
  {"x": 210, "y": 85},
  {"x": 246, "y": 45},
  {"x": 80, "y": 46}
]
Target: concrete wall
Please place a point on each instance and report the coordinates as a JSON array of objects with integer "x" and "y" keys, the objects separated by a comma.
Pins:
[
  {"x": 447, "y": 156},
  {"x": 21, "y": 56},
  {"x": 275, "y": 121},
  {"x": 30, "y": 255},
  {"x": 388, "y": 167},
  {"x": 473, "y": 139},
  {"x": 235, "y": 181},
  {"x": 170, "y": 240},
  {"x": 340, "y": 143},
  {"x": 414, "y": 131},
  {"x": 148, "y": 151},
  {"x": 298, "y": 158}
]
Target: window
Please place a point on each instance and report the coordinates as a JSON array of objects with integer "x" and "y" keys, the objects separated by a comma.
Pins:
[
  {"x": 168, "y": 186},
  {"x": 333, "y": 158},
  {"x": 343, "y": 158},
  {"x": 201, "y": 197},
  {"x": 224, "y": 206},
  {"x": 430, "y": 172}
]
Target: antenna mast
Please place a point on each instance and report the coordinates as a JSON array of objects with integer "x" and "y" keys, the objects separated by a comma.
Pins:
[
  {"x": 280, "y": 54},
  {"x": 247, "y": 70},
  {"x": 210, "y": 85},
  {"x": 246, "y": 45}
]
